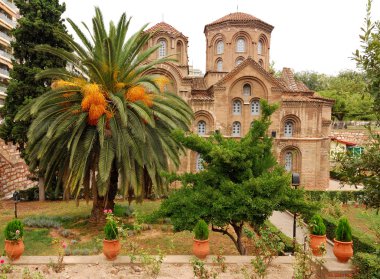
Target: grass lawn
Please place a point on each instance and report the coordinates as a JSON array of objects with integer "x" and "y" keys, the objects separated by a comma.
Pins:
[{"x": 84, "y": 238}]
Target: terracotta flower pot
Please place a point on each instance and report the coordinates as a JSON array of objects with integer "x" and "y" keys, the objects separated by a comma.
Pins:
[
  {"x": 201, "y": 248},
  {"x": 343, "y": 250},
  {"x": 316, "y": 241},
  {"x": 14, "y": 249},
  {"x": 111, "y": 248}
]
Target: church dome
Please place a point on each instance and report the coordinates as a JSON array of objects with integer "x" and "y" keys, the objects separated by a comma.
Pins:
[{"x": 166, "y": 28}]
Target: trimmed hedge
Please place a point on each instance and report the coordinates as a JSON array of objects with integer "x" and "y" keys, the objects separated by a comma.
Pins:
[
  {"x": 367, "y": 265},
  {"x": 343, "y": 196}
]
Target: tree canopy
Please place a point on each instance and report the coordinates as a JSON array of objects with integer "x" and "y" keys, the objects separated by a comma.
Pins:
[{"x": 241, "y": 183}]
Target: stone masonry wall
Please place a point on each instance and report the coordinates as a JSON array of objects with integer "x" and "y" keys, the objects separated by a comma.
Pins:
[
  {"x": 358, "y": 137},
  {"x": 14, "y": 173}
]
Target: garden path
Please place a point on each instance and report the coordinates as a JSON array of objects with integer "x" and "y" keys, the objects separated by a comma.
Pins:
[{"x": 284, "y": 222}]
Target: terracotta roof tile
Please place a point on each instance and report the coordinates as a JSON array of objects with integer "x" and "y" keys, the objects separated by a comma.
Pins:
[
  {"x": 198, "y": 83},
  {"x": 164, "y": 27},
  {"x": 238, "y": 17}
]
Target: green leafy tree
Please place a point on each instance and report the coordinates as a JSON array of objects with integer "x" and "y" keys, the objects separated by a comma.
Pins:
[
  {"x": 368, "y": 58},
  {"x": 241, "y": 183},
  {"x": 37, "y": 25},
  {"x": 110, "y": 122},
  {"x": 313, "y": 80}
]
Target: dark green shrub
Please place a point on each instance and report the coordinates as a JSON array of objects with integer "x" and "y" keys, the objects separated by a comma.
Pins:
[
  {"x": 14, "y": 230},
  {"x": 110, "y": 230},
  {"x": 123, "y": 210},
  {"x": 317, "y": 227},
  {"x": 343, "y": 231},
  {"x": 367, "y": 265},
  {"x": 201, "y": 230}
]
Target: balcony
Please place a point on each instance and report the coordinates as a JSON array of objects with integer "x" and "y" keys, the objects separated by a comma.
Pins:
[
  {"x": 7, "y": 20},
  {"x": 11, "y": 5},
  {"x": 6, "y": 55},
  {"x": 5, "y": 37},
  {"x": 4, "y": 72}
]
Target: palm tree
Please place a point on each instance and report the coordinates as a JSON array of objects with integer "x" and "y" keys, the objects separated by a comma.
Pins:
[{"x": 109, "y": 123}]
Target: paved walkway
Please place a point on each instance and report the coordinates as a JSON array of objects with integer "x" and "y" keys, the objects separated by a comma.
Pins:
[{"x": 284, "y": 222}]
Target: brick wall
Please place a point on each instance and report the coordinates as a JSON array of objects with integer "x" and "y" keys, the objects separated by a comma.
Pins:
[
  {"x": 358, "y": 137},
  {"x": 14, "y": 173}
]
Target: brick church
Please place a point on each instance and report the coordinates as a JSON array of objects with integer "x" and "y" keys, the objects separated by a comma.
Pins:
[{"x": 237, "y": 77}]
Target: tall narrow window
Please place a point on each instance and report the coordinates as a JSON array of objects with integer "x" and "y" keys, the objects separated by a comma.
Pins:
[
  {"x": 288, "y": 161},
  {"x": 219, "y": 65},
  {"x": 199, "y": 163},
  {"x": 240, "y": 45},
  {"x": 255, "y": 107},
  {"x": 239, "y": 61},
  {"x": 162, "y": 49},
  {"x": 236, "y": 129},
  {"x": 288, "y": 129},
  {"x": 247, "y": 90},
  {"x": 179, "y": 52},
  {"x": 260, "y": 48},
  {"x": 201, "y": 127},
  {"x": 219, "y": 47},
  {"x": 236, "y": 107}
]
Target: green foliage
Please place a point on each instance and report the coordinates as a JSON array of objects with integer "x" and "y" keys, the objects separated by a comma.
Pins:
[
  {"x": 343, "y": 231},
  {"x": 42, "y": 222},
  {"x": 123, "y": 210},
  {"x": 317, "y": 227},
  {"x": 14, "y": 230},
  {"x": 368, "y": 58},
  {"x": 201, "y": 230},
  {"x": 242, "y": 182},
  {"x": 110, "y": 230},
  {"x": 37, "y": 25},
  {"x": 367, "y": 265}
]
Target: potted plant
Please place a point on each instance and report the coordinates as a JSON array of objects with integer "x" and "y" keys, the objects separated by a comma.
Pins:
[
  {"x": 201, "y": 247},
  {"x": 111, "y": 242},
  {"x": 317, "y": 235},
  {"x": 343, "y": 241},
  {"x": 14, "y": 246}
]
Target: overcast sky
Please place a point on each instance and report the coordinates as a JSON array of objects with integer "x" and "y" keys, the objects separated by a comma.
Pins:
[{"x": 314, "y": 35}]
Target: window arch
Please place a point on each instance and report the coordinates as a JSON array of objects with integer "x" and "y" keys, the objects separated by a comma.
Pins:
[
  {"x": 201, "y": 127},
  {"x": 288, "y": 129},
  {"x": 288, "y": 161},
  {"x": 260, "y": 48},
  {"x": 219, "y": 47},
  {"x": 239, "y": 60},
  {"x": 255, "y": 107},
  {"x": 162, "y": 50},
  {"x": 246, "y": 89},
  {"x": 236, "y": 107},
  {"x": 261, "y": 62},
  {"x": 179, "y": 52},
  {"x": 236, "y": 129},
  {"x": 219, "y": 65},
  {"x": 199, "y": 163},
  {"x": 240, "y": 45}
]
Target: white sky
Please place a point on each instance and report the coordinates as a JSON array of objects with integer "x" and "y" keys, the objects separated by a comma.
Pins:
[{"x": 317, "y": 35}]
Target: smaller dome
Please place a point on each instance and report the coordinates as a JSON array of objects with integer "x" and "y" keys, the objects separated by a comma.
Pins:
[{"x": 164, "y": 27}]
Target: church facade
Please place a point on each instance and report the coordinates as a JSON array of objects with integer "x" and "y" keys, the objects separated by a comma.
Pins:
[{"x": 227, "y": 98}]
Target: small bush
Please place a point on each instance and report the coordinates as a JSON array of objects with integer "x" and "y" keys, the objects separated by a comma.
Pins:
[
  {"x": 42, "y": 222},
  {"x": 110, "y": 230},
  {"x": 201, "y": 230},
  {"x": 123, "y": 210},
  {"x": 367, "y": 265},
  {"x": 14, "y": 230},
  {"x": 343, "y": 231},
  {"x": 317, "y": 227}
]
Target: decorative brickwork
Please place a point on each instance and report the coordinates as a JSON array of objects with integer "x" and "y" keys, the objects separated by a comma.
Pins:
[{"x": 14, "y": 173}]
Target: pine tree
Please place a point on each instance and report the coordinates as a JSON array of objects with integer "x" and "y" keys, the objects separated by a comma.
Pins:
[{"x": 37, "y": 25}]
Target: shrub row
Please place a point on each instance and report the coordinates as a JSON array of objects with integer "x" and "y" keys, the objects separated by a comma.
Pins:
[
  {"x": 343, "y": 196},
  {"x": 367, "y": 265}
]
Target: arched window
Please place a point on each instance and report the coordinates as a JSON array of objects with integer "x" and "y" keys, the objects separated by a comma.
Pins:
[
  {"x": 219, "y": 65},
  {"x": 201, "y": 127},
  {"x": 199, "y": 163},
  {"x": 239, "y": 61},
  {"x": 260, "y": 48},
  {"x": 219, "y": 47},
  {"x": 240, "y": 45},
  {"x": 255, "y": 107},
  {"x": 162, "y": 49},
  {"x": 246, "y": 90},
  {"x": 288, "y": 161},
  {"x": 236, "y": 107},
  {"x": 288, "y": 129},
  {"x": 236, "y": 129},
  {"x": 261, "y": 62},
  {"x": 179, "y": 52}
]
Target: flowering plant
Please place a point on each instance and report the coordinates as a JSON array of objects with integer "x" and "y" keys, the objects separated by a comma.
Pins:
[
  {"x": 14, "y": 230},
  {"x": 111, "y": 230}
]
